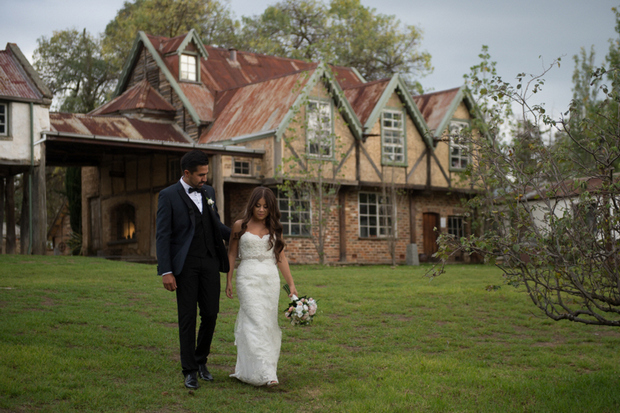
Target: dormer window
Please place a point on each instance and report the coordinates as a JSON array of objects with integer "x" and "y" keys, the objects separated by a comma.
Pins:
[{"x": 188, "y": 69}]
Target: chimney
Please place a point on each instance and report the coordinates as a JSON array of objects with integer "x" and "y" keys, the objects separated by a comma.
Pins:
[{"x": 233, "y": 54}]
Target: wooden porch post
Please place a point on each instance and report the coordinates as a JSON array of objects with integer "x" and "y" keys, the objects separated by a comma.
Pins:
[
  {"x": 10, "y": 214},
  {"x": 218, "y": 185},
  {"x": 39, "y": 207},
  {"x": 24, "y": 225},
  {"x": 342, "y": 200},
  {"x": 2, "y": 205}
]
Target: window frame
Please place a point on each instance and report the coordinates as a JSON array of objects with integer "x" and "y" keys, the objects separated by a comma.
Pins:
[
  {"x": 459, "y": 230},
  {"x": 326, "y": 141},
  {"x": 378, "y": 216},
  {"x": 196, "y": 73},
  {"x": 403, "y": 131},
  {"x": 463, "y": 149},
  {"x": 7, "y": 132},
  {"x": 249, "y": 167},
  {"x": 286, "y": 210}
]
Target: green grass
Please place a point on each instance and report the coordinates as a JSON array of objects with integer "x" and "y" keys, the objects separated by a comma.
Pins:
[{"x": 87, "y": 335}]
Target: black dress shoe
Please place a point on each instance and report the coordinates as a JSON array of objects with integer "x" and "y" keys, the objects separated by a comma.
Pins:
[
  {"x": 191, "y": 382},
  {"x": 204, "y": 373}
]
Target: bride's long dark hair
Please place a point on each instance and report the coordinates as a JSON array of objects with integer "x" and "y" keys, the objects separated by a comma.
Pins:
[{"x": 272, "y": 222}]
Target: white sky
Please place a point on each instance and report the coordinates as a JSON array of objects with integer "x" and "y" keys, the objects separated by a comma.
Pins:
[{"x": 523, "y": 36}]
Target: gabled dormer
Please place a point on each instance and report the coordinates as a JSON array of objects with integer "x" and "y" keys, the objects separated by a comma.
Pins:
[
  {"x": 447, "y": 113},
  {"x": 189, "y": 53}
]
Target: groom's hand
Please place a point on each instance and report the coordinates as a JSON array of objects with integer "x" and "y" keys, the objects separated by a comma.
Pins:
[{"x": 170, "y": 283}]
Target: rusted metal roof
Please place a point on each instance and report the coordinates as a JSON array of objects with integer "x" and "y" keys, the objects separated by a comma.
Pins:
[
  {"x": 255, "y": 108},
  {"x": 14, "y": 80},
  {"x": 116, "y": 127},
  {"x": 141, "y": 96},
  {"x": 434, "y": 106},
  {"x": 201, "y": 98},
  {"x": 346, "y": 76},
  {"x": 220, "y": 72},
  {"x": 365, "y": 97}
]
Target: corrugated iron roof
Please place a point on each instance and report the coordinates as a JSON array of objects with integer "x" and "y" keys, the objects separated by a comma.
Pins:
[
  {"x": 434, "y": 106},
  {"x": 14, "y": 81},
  {"x": 140, "y": 96},
  {"x": 201, "y": 98},
  {"x": 255, "y": 108},
  {"x": 219, "y": 72},
  {"x": 346, "y": 76},
  {"x": 116, "y": 127},
  {"x": 365, "y": 97}
]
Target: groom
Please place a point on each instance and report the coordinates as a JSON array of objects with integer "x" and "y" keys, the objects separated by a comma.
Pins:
[{"x": 190, "y": 256}]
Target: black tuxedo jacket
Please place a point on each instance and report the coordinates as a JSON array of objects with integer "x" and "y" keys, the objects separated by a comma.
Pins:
[{"x": 176, "y": 224}]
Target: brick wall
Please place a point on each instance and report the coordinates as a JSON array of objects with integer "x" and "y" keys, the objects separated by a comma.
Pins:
[{"x": 302, "y": 250}]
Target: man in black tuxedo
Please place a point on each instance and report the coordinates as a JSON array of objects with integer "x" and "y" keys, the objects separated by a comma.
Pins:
[{"x": 190, "y": 256}]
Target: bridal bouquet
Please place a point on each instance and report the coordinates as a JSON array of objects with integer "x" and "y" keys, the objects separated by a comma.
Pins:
[{"x": 301, "y": 310}]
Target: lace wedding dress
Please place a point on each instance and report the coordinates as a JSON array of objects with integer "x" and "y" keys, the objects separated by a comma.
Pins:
[{"x": 257, "y": 334}]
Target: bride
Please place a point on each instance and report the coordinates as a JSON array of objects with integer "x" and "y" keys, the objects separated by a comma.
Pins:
[{"x": 257, "y": 239}]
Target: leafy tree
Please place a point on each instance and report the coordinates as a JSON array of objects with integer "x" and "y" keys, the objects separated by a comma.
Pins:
[
  {"x": 75, "y": 69},
  {"x": 169, "y": 18},
  {"x": 377, "y": 45},
  {"x": 292, "y": 28},
  {"x": 552, "y": 228},
  {"x": 344, "y": 33}
]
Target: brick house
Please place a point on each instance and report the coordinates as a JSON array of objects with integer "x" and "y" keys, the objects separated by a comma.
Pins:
[{"x": 265, "y": 119}]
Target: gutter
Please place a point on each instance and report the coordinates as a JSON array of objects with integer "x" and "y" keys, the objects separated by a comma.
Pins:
[{"x": 99, "y": 138}]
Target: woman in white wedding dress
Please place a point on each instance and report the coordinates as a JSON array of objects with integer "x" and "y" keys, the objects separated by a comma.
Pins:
[{"x": 257, "y": 239}]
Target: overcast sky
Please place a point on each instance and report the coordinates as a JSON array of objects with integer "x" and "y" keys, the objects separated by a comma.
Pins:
[{"x": 523, "y": 36}]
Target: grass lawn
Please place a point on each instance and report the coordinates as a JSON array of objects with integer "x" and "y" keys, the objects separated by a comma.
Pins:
[{"x": 88, "y": 335}]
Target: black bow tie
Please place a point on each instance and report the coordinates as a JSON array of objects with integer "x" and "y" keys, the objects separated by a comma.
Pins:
[{"x": 190, "y": 190}]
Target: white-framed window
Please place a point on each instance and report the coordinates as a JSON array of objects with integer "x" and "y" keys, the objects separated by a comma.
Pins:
[
  {"x": 375, "y": 215},
  {"x": 393, "y": 136},
  {"x": 296, "y": 213},
  {"x": 459, "y": 150},
  {"x": 456, "y": 226},
  {"x": 319, "y": 135},
  {"x": 188, "y": 68},
  {"x": 242, "y": 167},
  {"x": 4, "y": 119}
]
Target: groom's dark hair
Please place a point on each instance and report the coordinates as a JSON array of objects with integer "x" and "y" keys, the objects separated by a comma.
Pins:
[{"x": 193, "y": 159}]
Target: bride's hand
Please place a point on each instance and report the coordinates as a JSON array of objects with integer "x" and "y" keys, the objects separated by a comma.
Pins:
[
  {"x": 229, "y": 290},
  {"x": 293, "y": 292}
]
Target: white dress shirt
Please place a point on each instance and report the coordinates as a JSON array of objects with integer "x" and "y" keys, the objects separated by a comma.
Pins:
[{"x": 195, "y": 196}]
